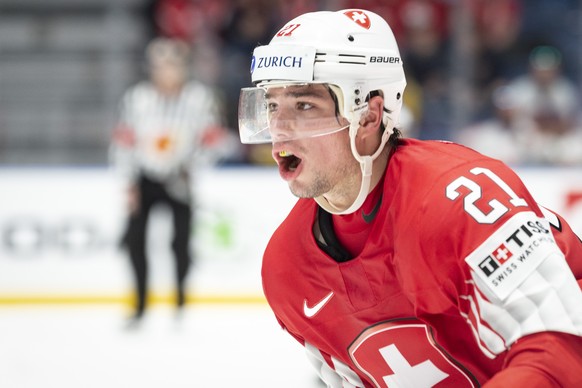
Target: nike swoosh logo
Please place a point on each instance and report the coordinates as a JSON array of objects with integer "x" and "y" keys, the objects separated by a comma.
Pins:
[
  {"x": 311, "y": 311},
  {"x": 370, "y": 217}
]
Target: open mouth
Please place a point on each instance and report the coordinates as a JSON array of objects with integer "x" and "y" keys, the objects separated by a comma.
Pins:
[{"x": 288, "y": 161}]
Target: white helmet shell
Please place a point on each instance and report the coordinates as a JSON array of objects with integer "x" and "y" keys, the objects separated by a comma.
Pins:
[{"x": 352, "y": 49}]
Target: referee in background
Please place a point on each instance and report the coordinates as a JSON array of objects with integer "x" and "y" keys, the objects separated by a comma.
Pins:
[{"x": 165, "y": 122}]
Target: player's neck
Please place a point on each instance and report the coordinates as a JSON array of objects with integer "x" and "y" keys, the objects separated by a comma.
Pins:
[
  {"x": 379, "y": 168},
  {"x": 352, "y": 230}
]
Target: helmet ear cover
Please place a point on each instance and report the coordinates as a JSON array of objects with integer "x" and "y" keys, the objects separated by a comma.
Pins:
[{"x": 337, "y": 97}]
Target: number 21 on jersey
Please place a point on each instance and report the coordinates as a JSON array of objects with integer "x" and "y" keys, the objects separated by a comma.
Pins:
[{"x": 497, "y": 209}]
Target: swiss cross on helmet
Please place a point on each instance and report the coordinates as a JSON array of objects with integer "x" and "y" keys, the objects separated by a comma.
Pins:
[{"x": 359, "y": 17}]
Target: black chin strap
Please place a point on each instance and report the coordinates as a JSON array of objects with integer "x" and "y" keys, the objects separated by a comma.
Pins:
[{"x": 332, "y": 245}]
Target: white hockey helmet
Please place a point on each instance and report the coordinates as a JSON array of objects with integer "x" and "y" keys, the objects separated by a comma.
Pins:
[{"x": 353, "y": 51}]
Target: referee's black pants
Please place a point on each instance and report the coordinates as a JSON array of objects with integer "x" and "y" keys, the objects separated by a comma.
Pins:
[{"x": 152, "y": 193}]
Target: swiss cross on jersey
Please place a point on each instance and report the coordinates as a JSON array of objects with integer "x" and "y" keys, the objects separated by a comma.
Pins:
[
  {"x": 502, "y": 254},
  {"x": 359, "y": 17},
  {"x": 383, "y": 352}
]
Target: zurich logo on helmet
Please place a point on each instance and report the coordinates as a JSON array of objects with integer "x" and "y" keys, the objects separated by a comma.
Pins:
[{"x": 253, "y": 62}]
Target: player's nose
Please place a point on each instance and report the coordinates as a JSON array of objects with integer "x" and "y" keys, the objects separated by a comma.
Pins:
[{"x": 281, "y": 127}]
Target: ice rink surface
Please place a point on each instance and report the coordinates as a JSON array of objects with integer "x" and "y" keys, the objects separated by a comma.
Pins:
[
  {"x": 90, "y": 346},
  {"x": 64, "y": 250}
]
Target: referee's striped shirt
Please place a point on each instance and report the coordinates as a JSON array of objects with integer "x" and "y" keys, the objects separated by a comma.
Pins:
[{"x": 157, "y": 135}]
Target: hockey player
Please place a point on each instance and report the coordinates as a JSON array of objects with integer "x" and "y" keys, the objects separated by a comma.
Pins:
[{"x": 404, "y": 263}]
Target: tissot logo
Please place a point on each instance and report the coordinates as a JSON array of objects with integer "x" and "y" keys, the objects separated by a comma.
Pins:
[
  {"x": 525, "y": 238},
  {"x": 525, "y": 232},
  {"x": 512, "y": 253}
]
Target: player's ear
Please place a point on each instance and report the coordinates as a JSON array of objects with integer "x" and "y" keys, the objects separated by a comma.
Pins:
[
  {"x": 372, "y": 118},
  {"x": 369, "y": 135}
]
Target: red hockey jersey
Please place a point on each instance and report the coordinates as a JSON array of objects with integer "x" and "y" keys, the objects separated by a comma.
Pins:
[{"x": 460, "y": 265}]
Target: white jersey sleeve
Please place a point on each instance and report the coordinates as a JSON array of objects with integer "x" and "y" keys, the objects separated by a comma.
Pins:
[
  {"x": 341, "y": 376},
  {"x": 521, "y": 284}
]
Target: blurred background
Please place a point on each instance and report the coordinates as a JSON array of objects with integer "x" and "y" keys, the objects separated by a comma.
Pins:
[
  {"x": 501, "y": 76},
  {"x": 64, "y": 64}
]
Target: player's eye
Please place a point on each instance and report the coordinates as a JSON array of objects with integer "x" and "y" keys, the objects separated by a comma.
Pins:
[
  {"x": 271, "y": 107},
  {"x": 304, "y": 106}
]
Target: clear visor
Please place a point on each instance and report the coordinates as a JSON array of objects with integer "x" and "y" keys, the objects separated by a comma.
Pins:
[{"x": 289, "y": 112}]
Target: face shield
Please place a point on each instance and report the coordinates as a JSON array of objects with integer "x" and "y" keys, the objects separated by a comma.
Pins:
[{"x": 277, "y": 113}]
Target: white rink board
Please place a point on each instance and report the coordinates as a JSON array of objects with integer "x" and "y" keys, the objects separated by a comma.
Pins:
[
  {"x": 60, "y": 232},
  {"x": 59, "y": 229}
]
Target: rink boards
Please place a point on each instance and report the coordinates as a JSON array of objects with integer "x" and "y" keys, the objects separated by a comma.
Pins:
[{"x": 60, "y": 232}]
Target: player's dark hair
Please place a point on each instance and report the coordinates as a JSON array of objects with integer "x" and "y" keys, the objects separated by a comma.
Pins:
[{"x": 394, "y": 139}]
